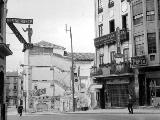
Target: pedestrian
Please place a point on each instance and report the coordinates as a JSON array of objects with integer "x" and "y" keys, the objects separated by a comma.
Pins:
[
  {"x": 130, "y": 104},
  {"x": 20, "y": 110}
]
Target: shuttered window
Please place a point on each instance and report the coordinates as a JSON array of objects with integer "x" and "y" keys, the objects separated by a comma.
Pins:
[
  {"x": 150, "y": 10},
  {"x": 137, "y": 12},
  {"x": 137, "y": 8}
]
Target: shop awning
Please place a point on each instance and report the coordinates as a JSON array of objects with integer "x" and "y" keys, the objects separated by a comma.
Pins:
[
  {"x": 4, "y": 49},
  {"x": 114, "y": 75},
  {"x": 95, "y": 86}
]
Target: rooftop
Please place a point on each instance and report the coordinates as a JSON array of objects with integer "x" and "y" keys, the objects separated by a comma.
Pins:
[
  {"x": 82, "y": 56},
  {"x": 49, "y": 45}
]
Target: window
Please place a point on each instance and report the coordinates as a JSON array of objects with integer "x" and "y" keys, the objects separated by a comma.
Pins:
[
  {"x": 139, "y": 45},
  {"x": 125, "y": 21},
  {"x": 15, "y": 87},
  {"x": 150, "y": 16},
  {"x": 137, "y": 12},
  {"x": 126, "y": 54},
  {"x": 111, "y": 3},
  {"x": 100, "y": 27},
  {"x": 35, "y": 87},
  {"x": 112, "y": 26},
  {"x": 138, "y": 19},
  {"x": 151, "y": 37},
  {"x": 150, "y": 10},
  {"x": 101, "y": 59},
  {"x": 100, "y": 9},
  {"x": 112, "y": 54}
]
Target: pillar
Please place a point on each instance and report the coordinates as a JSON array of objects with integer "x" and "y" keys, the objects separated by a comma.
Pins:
[{"x": 136, "y": 85}]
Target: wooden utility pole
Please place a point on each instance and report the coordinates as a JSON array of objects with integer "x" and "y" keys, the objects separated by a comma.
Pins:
[{"x": 72, "y": 69}]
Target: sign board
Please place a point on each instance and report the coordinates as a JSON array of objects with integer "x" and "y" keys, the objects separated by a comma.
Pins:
[
  {"x": 139, "y": 61},
  {"x": 18, "y": 20},
  {"x": 28, "y": 45},
  {"x": 118, "y": 40}
]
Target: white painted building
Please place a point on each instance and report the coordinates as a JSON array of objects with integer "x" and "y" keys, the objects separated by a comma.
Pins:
[{"x": 47, "y": 67}]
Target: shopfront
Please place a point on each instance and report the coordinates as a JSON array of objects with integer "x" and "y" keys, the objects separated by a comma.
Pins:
[{"x": 117, "y": 90}]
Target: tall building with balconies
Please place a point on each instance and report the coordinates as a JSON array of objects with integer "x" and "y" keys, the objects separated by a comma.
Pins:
[
  {"x": 146, "y": 50},
  {"x": 127, "y": 35},
  {"x": 113, "y": 78}
]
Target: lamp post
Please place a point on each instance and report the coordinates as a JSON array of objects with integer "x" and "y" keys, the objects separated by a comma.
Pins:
[{"x": 72, "y": 71}]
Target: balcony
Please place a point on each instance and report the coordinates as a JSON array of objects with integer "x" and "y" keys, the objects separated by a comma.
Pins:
[
  {"x": 94, "y": 71},
  {"x": 120, "y": 68},
  {"x": 111, "y": 68},
  {"x": 111, "y": 38}
]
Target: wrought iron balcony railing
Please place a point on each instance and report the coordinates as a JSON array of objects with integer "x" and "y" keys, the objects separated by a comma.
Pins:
[
  {"x": 111, "y": 38},
  {"x": 120, "y": 68},
  {"x": 94, "y": 71}
]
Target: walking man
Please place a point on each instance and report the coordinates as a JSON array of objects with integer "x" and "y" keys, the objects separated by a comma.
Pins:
[
  {"x": 130, "y": 104},
  {"x": 20, "y": 110}
]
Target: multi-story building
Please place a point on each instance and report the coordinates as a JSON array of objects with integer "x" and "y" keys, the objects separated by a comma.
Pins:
[
  {"x": 11, "y": 85},
  {"x": 112, "y": 75},
  {"x": 146, "y": 49},
  {"x": 4, "y": 51},
  {"x": 47, "y": 68},
  {"x": 127, "y": 60}
]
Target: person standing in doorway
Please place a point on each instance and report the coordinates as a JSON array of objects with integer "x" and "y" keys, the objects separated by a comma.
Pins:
[{"x": 130, "y": 104}]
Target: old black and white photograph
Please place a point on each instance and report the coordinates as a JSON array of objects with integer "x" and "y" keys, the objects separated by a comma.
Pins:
[{"x": 79, "y": 59}]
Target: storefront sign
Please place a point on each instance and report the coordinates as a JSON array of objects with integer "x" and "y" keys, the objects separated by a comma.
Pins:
[
  {"x": 118, "y": 40},
  {"x": 111, "y": 38},
  {"x": 18, "y": 20},
  {"x": 139, "y": 61}
]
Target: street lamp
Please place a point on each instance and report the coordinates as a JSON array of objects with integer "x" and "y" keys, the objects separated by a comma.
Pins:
[{"x": 72, "y": 67}]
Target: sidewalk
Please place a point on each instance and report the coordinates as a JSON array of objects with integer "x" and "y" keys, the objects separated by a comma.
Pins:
[
  {"x": 118, "y": 111},
  {"x": 140, "y": 110}
]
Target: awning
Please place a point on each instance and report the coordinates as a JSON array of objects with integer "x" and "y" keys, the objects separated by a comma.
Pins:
[
  {"x": 95, "y": 86},
  {"x": 114, "y": 75},
  {"x": 4, "y": 49}
]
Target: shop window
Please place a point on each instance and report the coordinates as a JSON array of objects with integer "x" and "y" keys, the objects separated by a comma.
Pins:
[
  {"x": 126, "y": 54},
  {"x": 100, "y": 27},
  {"x": 151, "y": 37},
  {"x": 112, "y": 26},
  {"x": 139, "y": 45},
  {"x": 125, "y": 21}
]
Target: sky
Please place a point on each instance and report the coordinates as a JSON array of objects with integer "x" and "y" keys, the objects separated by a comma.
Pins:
[{"x": 49, "y": 19}]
